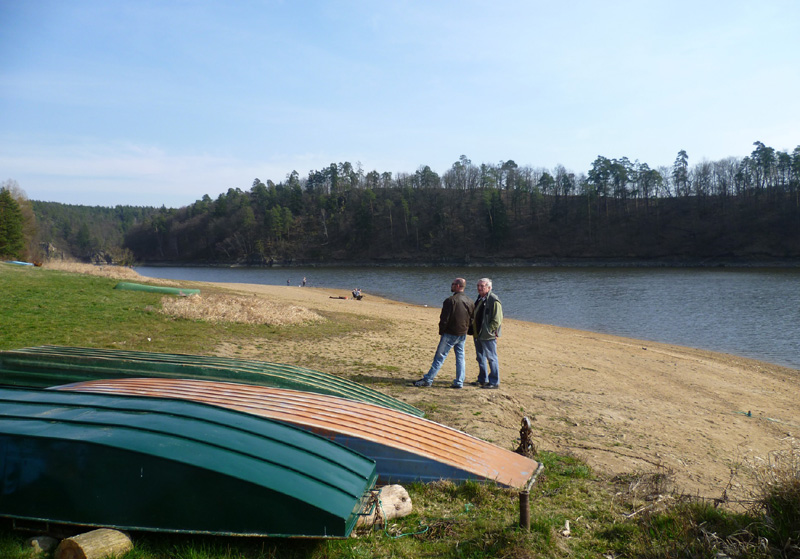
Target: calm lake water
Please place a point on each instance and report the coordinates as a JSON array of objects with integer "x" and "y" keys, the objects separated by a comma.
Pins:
[{"x": 749, "y": 312}]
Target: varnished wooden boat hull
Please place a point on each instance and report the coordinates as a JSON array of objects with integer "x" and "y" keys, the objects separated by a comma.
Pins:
[{"x": 406, "y": 448}]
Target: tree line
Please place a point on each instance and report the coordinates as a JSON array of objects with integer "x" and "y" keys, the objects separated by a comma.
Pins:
[{"x": 736, "y": 208}]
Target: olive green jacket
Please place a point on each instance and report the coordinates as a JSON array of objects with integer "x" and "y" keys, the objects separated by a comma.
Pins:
[{"x": 492, "y": 311}]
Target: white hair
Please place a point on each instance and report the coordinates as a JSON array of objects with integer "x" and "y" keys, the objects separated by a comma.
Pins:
[{"x": 487, "y": 281}]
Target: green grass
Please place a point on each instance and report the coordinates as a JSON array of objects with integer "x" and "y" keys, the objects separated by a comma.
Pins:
[
  {"x": 40, "y": 306},
  {"x": 471, "y": 520}
]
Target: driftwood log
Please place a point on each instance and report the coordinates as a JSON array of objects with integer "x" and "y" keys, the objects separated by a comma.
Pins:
[
  {"x": 96, "y": 544},
  {"x": 391, "y": 501}
]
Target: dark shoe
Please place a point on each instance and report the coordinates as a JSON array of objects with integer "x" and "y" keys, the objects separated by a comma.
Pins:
[
  {"x": 495, "y": 386},
  {"x": 454, "y": 385},
  {"x": 422, "y": 383},
  {"x": 476, "y": 383}
]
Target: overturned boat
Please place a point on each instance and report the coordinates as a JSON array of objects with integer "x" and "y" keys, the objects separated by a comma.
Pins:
[
  {"x": 182, "y": 291},
  {"x": 44, "y": 366},
  {"x": 406, "y": 448},
  {"x": 172, "y": 466}
]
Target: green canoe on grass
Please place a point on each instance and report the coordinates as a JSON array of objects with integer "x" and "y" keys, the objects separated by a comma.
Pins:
[{"x": 156, "y": 288}]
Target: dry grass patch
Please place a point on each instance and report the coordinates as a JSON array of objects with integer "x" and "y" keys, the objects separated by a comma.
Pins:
[
  {"x": 777, "y": 494},
  {"x": 105, "y": 270},
  {"x": 114, "y": 272},
  {"x": 238, "y": 309}
]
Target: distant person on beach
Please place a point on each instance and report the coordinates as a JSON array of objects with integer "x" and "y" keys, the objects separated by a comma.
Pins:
[
  {"x": 357, "y": 293},
  {"x": 485, "y": 328},
  {"x": 454, "y": 322},
  {"x": 287, "y": 282},
  {"x": 304, "y": 281}
]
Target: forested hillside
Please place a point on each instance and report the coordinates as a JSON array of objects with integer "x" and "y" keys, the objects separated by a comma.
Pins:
[
  {"x": 733, "y": 210},
  {"x": 88, "y": 233}
]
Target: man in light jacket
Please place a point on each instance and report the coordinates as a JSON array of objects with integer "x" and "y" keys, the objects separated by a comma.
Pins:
[
  {"x": 454, "y": 322},
  {"x": 486, "y": 322}
]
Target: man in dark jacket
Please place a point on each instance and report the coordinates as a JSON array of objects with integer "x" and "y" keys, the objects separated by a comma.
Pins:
[
  {"x": 487, "y": 319},
  {"x": 454, "y": 322}
]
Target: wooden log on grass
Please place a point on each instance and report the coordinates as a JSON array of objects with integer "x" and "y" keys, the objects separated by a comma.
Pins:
[{"x": 96, "y": 544}]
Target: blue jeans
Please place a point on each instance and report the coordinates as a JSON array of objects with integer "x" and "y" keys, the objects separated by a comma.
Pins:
[
  {"x": 446, "y": 342},
  {"x": 486, "y": 352}
]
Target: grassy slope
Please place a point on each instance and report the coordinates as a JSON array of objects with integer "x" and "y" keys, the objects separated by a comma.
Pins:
[{"x": 40, "y": 306}]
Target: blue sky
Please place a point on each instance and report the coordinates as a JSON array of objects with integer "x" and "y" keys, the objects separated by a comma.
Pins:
[{"x": 107, "y": 102}]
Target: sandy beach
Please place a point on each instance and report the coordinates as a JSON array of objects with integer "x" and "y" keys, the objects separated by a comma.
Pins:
[{"x": 622, "y": 405}]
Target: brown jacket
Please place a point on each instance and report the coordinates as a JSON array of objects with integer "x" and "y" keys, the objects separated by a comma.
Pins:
[{"x": 456, "y": 315}]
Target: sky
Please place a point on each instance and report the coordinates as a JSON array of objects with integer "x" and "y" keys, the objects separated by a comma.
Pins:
[{"x": 157, "y": 103}]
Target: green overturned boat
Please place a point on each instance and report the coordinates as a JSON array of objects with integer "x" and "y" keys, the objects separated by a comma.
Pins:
[
  {"x": 161, "y": 465},
  {"x": 128, "y": 286},
  {"x": 45, "y": 366}
]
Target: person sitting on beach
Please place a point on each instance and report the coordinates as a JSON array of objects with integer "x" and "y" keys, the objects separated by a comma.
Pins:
[{"x": 357, "y": 293}]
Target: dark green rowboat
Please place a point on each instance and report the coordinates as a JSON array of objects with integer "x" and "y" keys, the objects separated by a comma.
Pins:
[
  {"x": 45, "y": 366},
  {"x": 173, "y": 466},
  {"x": 128, "y": 286}
]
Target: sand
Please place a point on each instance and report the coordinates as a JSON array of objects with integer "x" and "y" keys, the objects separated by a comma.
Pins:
[{"x": 622, "y": 405}]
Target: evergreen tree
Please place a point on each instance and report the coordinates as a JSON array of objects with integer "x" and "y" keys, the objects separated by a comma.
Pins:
[{"x": 12, "y": 242}]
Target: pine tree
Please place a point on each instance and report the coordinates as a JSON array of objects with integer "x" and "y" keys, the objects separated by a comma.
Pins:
[{"x": 12, "y": 241}]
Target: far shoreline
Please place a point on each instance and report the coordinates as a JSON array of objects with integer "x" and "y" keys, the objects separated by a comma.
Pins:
[{"x": 732, "y": 263}]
